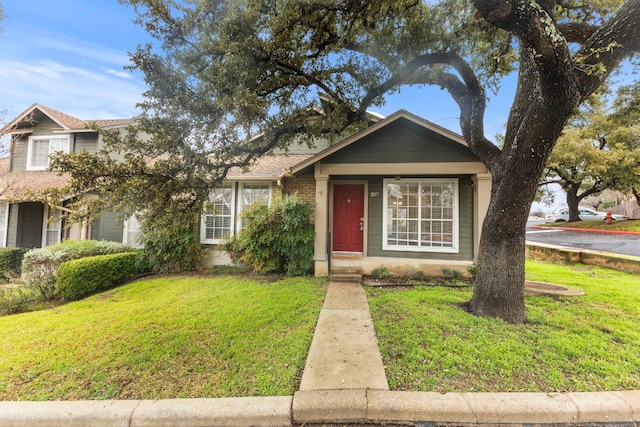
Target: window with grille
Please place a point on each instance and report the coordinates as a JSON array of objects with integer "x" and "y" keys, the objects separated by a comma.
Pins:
[
  {"x": 217, "y": 219},
  {"x": 40, "y": 147},
  {"x": 251, "y": 194},
  {"x": 52, "y": 226},
  {"x": 421, "y": 215}
]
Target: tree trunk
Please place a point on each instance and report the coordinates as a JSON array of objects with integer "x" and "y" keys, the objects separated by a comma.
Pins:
[
  {"x": 573, "y": 201},
  {"x": 636, "y": 194},
  {"x": 499, "y": 285}
]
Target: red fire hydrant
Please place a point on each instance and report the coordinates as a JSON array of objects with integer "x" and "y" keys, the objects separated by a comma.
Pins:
[{"x": 607, "y": 218}]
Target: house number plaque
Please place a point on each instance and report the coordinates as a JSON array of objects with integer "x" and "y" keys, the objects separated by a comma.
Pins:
[{"x": 374, "y": 194}]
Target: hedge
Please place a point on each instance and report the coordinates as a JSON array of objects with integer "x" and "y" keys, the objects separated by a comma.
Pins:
[
  {"x": 39, "y": 266},
  {"x": 78, "y": 278},
  {"x": 11, "y": 262}
]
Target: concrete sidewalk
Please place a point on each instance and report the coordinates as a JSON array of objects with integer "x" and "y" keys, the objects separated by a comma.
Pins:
[{"x": 344, "y": 353}]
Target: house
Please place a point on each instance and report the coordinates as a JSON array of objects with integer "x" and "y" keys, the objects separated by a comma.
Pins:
[
  {"x": 403, "y": 192},
  {"x": 34, "y": 134}
]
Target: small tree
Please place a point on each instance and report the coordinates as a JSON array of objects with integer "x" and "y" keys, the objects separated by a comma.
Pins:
[
  {"x": 627, "y": 134},
  {"x": 595, "y": 153},
  {"x": 276, "y": 239}
]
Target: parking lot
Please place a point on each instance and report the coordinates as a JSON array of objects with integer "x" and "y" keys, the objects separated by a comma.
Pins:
[{"x": 617, "y": 243}]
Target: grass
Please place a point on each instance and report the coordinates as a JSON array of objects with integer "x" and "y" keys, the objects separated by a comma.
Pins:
[
  {"x": 628, "y": 225},
  {"x": 588, "y": 343},
  {"x": 164, "y": 338}
]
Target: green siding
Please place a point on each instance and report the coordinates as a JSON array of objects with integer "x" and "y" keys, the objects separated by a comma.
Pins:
[
  {"x": 12, "y": 225},
  {"x": 403, "y": 142},
  {"x": 19, "y": 153},
  {"x": 374, "y": 230},
  {"x": 107, "y": 227},
  {"x": 86, "y": 141}
]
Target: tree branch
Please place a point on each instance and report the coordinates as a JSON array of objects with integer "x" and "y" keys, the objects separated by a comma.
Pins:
[
  {"x": 468, "y": 93},
  {"x": 615, "y": 40},
  {"x": 576, "y": 32}
]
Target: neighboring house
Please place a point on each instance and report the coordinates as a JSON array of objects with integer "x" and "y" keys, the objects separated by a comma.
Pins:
[
  {"x": 403, "y": 193},
  {"x": 36, "y": 133}
]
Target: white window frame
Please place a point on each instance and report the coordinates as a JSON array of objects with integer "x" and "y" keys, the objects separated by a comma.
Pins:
[
  {"x": 64, "y": 146},
  {"x": 51, "y": 226},
  {"x": 4, "y": 223},
  {"x": 455, "y": 248},
  {"x": 132, "y": 226},
  {"x": 203, "y": 218},
  {"x": 242, "y": 208}
]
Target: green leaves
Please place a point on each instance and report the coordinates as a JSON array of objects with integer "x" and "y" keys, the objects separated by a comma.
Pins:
[{"x": 277, "y": 239}]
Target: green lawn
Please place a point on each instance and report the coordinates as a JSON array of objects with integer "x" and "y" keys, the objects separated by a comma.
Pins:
[
  {"x": 164, "y": 338},
  {"x": 629, "y": 225},
  {"x": 588, "y": 343}
]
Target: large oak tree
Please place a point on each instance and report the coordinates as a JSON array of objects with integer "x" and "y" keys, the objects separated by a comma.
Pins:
[{"x": 227, "y": 70}]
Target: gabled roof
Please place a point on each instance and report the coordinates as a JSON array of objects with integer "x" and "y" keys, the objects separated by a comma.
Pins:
[
  {"x": 66, "y": 122},
  {"x": 400, "y": 114}
]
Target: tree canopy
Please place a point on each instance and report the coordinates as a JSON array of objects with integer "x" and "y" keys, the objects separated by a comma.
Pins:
[
  {"x": 596, "y": 152},
  {"x": 225, "y": 71}
]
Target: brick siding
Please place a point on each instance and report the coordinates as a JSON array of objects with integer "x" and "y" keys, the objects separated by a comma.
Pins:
[{"x": 304, "y": 186}]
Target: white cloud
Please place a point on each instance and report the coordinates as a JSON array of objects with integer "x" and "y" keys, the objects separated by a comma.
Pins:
[
  {"x": 82, "y": 49},
  {"x": 121, "y": 74},
  {"x": 81, "y": 92}
]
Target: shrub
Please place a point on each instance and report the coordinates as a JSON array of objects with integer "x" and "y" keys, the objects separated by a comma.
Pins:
[
  {"x": 11, "y": 262},
  {"x": 81, "y": 277},
  {"x": 39, "y": 266},
  {"x": 381, "y": 273},
  {"x": 278, "y": 239},
  {"x": 171, "y": 251},
  {"x": 473, "y": 271}
]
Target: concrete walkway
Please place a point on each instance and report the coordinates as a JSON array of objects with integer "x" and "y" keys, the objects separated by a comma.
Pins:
[{"x": 344, "y": 353}]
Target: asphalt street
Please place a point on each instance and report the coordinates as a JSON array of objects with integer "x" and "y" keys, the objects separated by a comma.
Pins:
[{"x": 616, "y": 243}]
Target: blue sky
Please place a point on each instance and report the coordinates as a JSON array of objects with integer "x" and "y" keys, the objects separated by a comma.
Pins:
[{"x": 70, "y": 55}]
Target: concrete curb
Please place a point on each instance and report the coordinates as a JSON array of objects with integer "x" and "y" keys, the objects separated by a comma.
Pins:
[
  {"x": 567, "y": 255},
  {"x": 339, "y": 406},
  {"x": 587, "y": 230},
  {"x": 235, "y": 411}
]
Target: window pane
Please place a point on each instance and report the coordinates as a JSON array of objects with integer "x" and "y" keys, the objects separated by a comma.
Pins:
[
  {"x": 420, "y": 213},
  {"x": 217, "y": 216},
  {"x": 40, "y": 153},
  {"x": 54, "y": 225},
  {"x": 254, "y": 193}
]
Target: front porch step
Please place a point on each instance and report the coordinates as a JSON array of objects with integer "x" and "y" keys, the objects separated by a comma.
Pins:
[{"x": 346, "y": 274}]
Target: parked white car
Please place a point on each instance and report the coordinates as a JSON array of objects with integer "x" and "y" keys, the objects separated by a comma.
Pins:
[{"x": 585, "y": 214}]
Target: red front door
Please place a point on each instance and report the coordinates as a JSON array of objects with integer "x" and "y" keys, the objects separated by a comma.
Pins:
[{"x": 348, "y": 213}]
